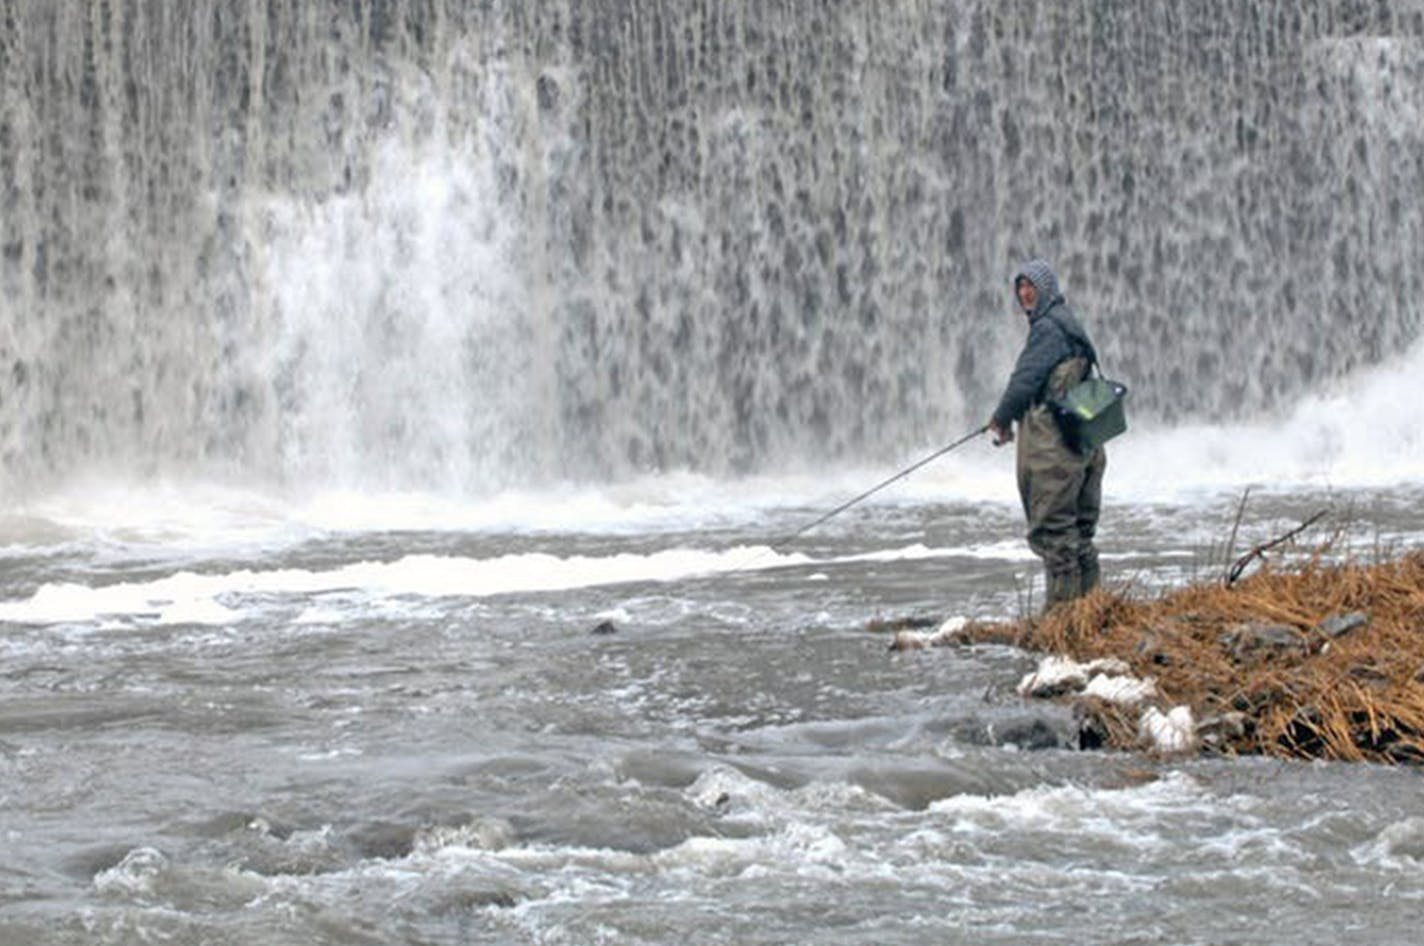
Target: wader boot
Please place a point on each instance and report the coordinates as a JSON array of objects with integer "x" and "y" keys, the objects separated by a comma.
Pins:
[
  {"x": 1090, "y": 504},
  {"x": 1062, "y": 585},
  {"x": 1088, "y": 570}
]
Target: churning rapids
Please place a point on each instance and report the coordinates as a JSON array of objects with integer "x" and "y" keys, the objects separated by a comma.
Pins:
[
  {"x": 359, "y": 359},
  {"x": 234, "y": 722}
]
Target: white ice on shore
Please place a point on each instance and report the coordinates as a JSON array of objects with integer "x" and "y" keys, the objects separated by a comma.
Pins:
[
  {"x": 1108, "y": 679},
  {"x": 1057, "y": 675},
  {"x": 1172, "y": 731},
  {"x": 1121, "y": 689},
  {"x": 946, "y": 633}
]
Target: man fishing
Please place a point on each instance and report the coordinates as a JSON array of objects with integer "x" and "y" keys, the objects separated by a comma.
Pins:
[{"x": 1061, "y": 486}]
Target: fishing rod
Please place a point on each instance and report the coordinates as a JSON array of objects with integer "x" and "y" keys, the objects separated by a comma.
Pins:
[
  {"x": 868, "y": 493},
  {"x": 607, "y": 627}
]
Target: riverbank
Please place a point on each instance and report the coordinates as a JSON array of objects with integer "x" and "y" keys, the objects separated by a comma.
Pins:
[{"x": 1319, "y": 661}]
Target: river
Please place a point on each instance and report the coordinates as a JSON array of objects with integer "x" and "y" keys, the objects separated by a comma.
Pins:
[{"x": 245, "y": 722}]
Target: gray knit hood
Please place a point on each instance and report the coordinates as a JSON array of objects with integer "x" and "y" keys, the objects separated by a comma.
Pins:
[
  {"x": 1054, "y": 333},
  {"x": 1045, "y": 280}
]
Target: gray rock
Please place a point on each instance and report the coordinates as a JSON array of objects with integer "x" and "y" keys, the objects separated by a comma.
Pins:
[
  {"x": 1046, "y": 727},
  {"x": 1092, "y": 732},
  {"x": 1341, "y": 624},
  {"x": 1150, "y": 647},
  {"x": 1222, "y": 727},
  {"x": 1257, "y": 640}
]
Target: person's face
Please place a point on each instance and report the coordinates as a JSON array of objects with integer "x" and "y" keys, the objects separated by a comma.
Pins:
[{"x": 1028, "y": 295}]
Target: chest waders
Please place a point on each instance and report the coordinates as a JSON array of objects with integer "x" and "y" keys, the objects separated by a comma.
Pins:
[{"x": 1061, "y": 490}]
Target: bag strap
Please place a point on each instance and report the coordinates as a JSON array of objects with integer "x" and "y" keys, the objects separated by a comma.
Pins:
[{"x": 1076, "y": 341}]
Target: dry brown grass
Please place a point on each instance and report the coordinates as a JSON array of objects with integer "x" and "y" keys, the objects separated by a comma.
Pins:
[{"x": 1357, "y": 696}]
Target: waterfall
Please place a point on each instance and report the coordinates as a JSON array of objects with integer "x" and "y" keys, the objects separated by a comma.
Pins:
[{"x": 448, "y": 245}]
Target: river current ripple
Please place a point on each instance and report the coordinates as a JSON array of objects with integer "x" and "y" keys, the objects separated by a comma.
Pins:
[{"x": 337, "y": 741}]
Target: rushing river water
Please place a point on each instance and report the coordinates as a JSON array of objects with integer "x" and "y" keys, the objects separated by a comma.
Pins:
[{"x": 226, "y": 720}]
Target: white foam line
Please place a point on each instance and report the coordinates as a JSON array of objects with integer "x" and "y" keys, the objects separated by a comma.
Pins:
[{"x": 189, "y": 597}]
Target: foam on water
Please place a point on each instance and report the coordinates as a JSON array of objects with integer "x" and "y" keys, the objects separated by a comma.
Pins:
[
  {"x": 1361, "y": 433},
  {"x": 790, "y": 843},
  {"x": 217, "y": 598},
  {"x": 1400, "y": 846},
  {"x": 1160, "y": 859},
  {"x": 1125, "y": 815}
]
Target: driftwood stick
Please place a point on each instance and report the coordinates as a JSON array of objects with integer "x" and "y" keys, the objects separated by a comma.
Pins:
[
  {"x": 1236, "y": 526},
  {"x": 1260, "y": 550}
]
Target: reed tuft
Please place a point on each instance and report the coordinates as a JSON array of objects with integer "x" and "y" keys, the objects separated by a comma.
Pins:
[{"x": 1321, "y": 661}]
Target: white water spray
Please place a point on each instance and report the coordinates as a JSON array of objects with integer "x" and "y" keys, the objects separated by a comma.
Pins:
[{"x": 454, "y": 248}]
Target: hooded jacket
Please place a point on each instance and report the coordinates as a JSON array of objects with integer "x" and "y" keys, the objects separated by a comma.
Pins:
[{"x": 1054, "y": 334}]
